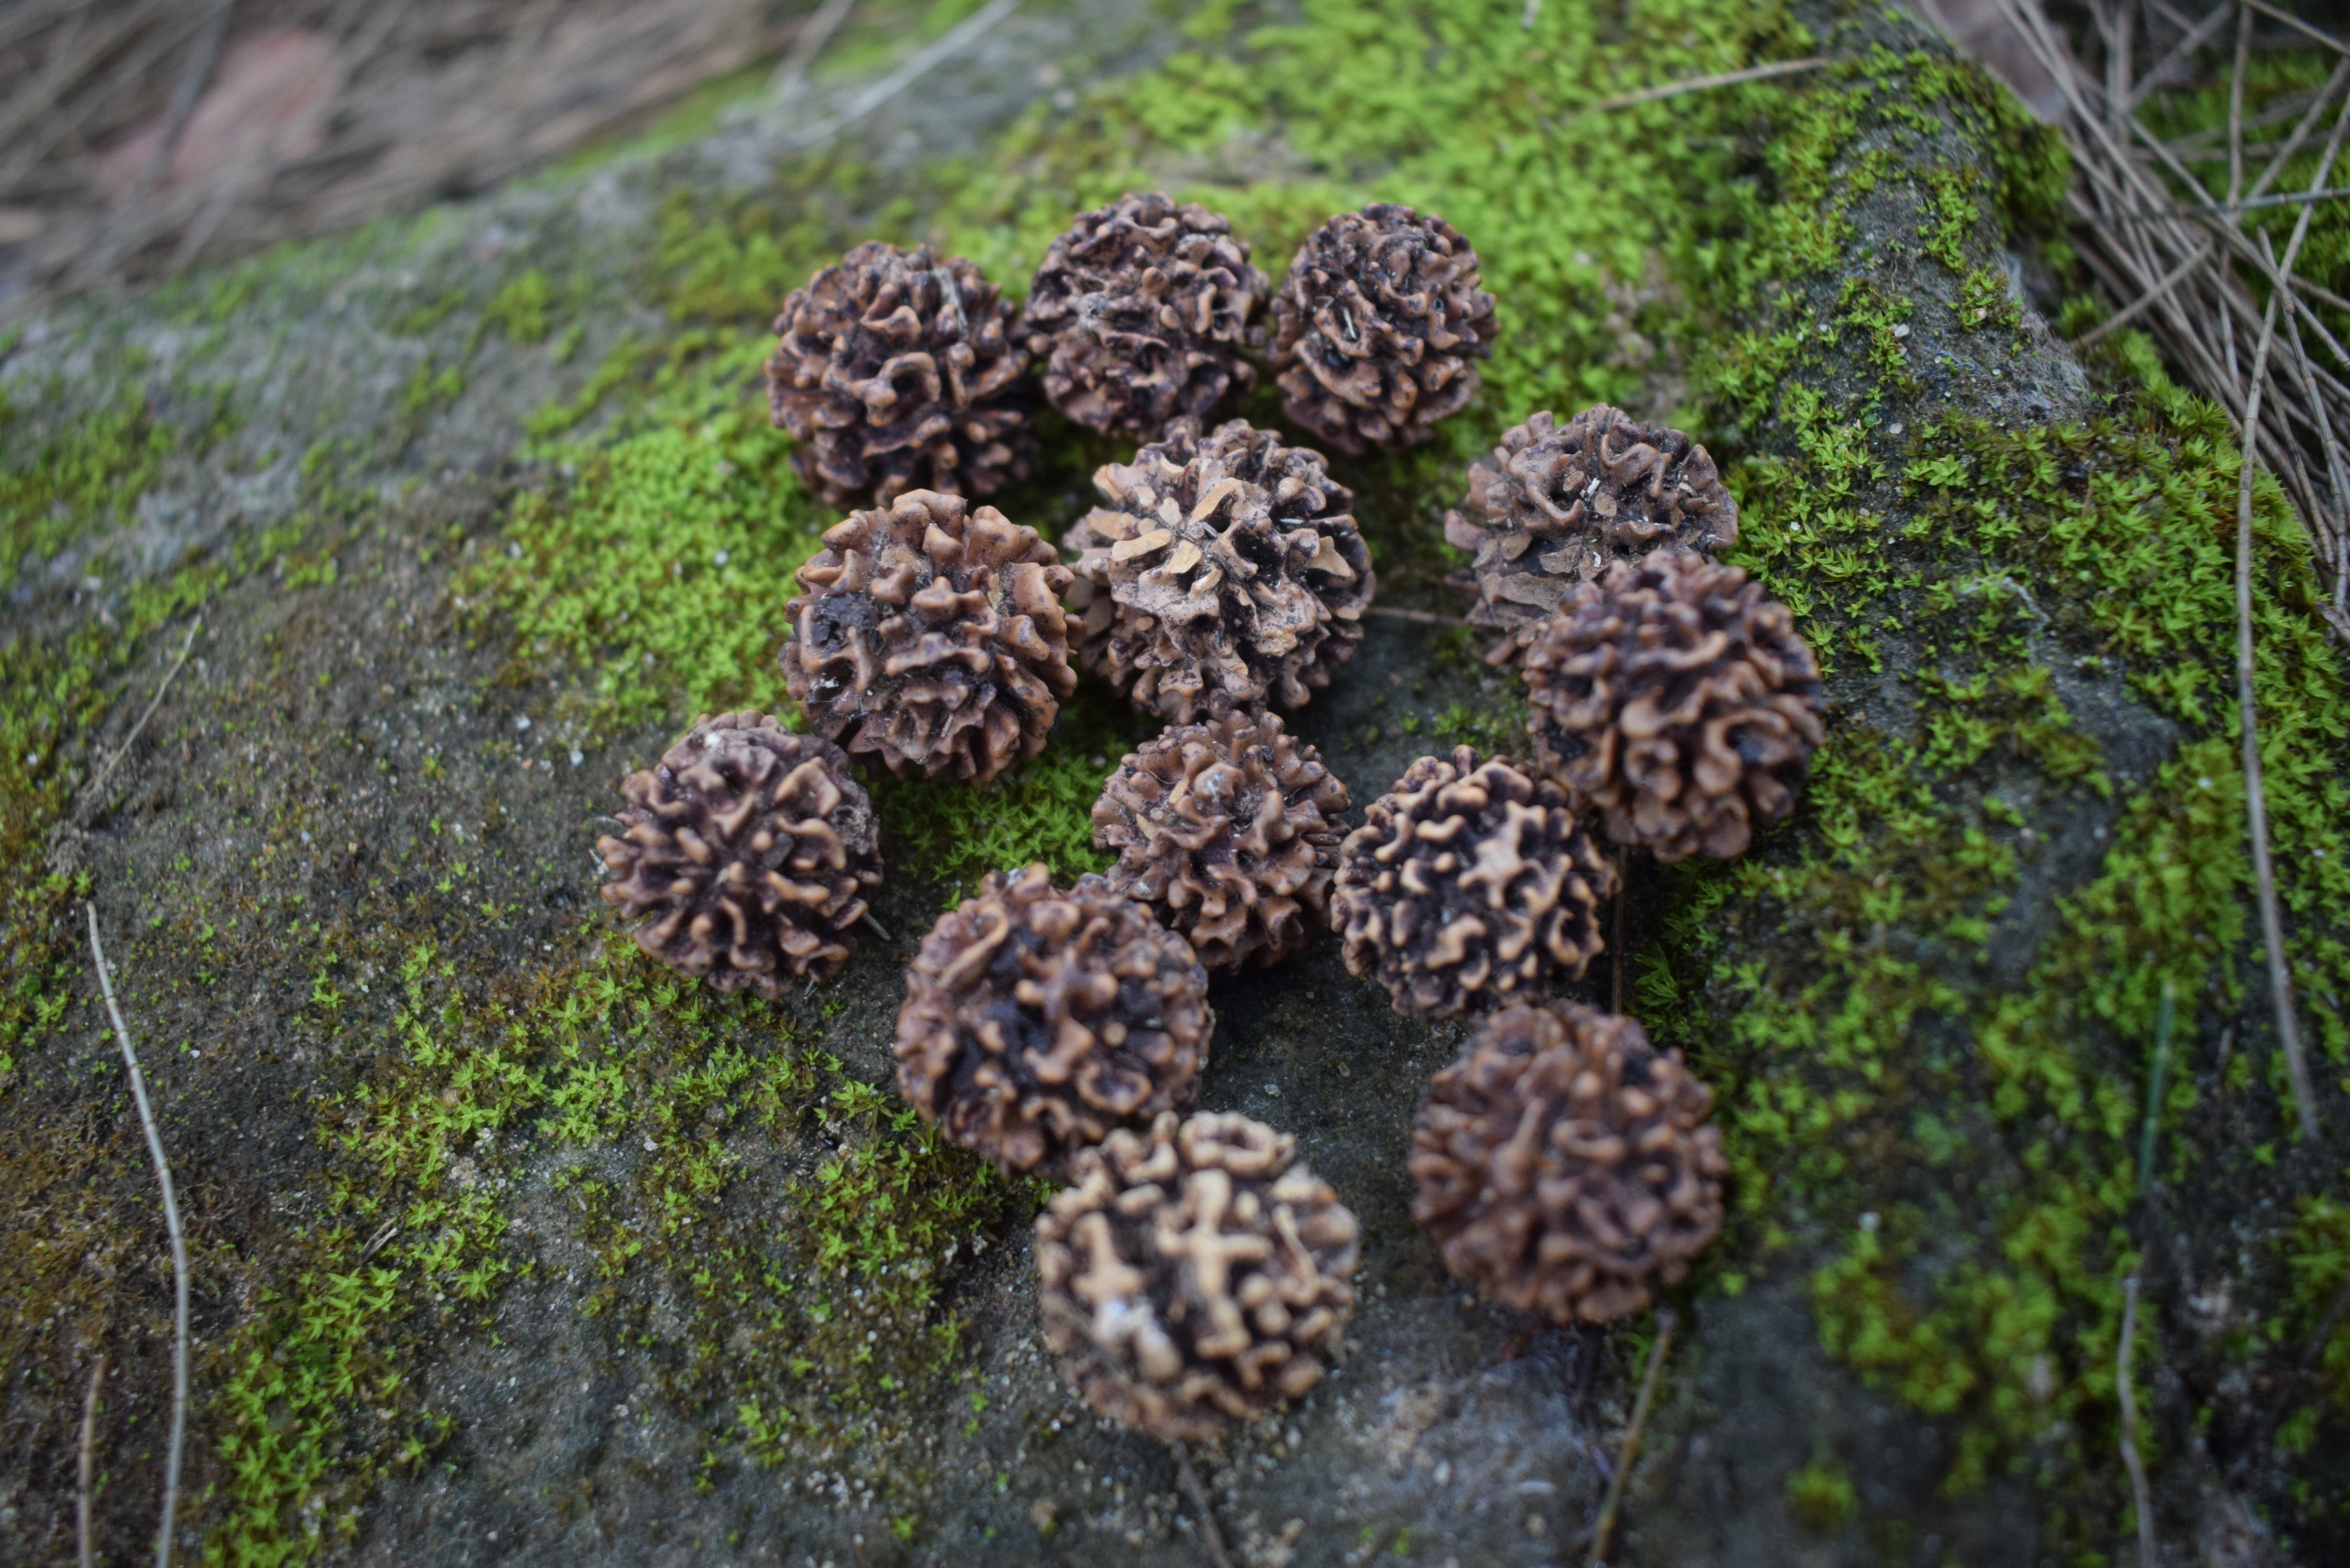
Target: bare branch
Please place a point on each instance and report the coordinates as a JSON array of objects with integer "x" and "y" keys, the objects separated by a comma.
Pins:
[
  {"x": 1631, "y": 1449},
  {"x": 2255, "y": 797},
  {"x": 163, "y": 1531},
  {"x": 87, "y": 1547},
  {"x": 1706, "y": 84},
  {"x": 1210, "y": 1536},
  {"x": 122, "y": 751}
]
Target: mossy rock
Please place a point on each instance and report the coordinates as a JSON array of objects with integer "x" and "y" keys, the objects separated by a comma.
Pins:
[{"x": 508, "y": 1244}]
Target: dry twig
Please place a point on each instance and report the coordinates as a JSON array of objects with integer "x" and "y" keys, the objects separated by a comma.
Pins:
[
  {"x": 791, "y": 75},
  {"x": 918, "y": 64},
  {"x": 1632, "y": 1450},
  {"x": 123, "y": 750},
  {"x": 2255, "y": 797},
  {"x": 2179, "y": 264},
  {"x": 163, "y": 1531},
  {"x": 87, "y": 1548},
  {"x": 1210, "y": 1536},
  {"x": 1706, "y": 84},
  {"x": 1422, "y": 618}
]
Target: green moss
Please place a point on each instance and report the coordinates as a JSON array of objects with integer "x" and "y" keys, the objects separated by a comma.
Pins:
[
  {"x": 949, "y": 831},
  {"x": 72, "y": 480},
  {"x": 519, "y": 306},
  {"x": 1931, "y": 1110},
  {"x": 805, "y": 1311},
  {"x": 2319, "y": 1258},
  {"x": 1820, "y": 1495},
  {"x": 651, "y": 580}
]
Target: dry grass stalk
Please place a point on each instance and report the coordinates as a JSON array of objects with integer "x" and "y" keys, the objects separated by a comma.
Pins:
[
  {"x": 86, "y": 1546},
  {"x": 1704, "y": 84},
  {"x": 1211, "y": 1538},
  {"x": 90, "y": 794},
  {"x": 791, "y": 75},
  {"x": 177, "y": 1438},
  {"x": 1631, "y": 1449},
  {"x": 2171, "y": 256},
  {"x": 2183, "y": 266}
]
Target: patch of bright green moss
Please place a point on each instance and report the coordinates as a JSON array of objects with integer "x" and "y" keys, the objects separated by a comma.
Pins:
[
  {"x": 808, "y": 1297},
  {"x": 1820, "y": 1495},
  {"x": 61, "y": 483},
  {"x": 654, "y": 578}
]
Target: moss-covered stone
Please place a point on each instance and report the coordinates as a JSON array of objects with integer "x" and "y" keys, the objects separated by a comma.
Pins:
[{"x": 500, "y": 1228}]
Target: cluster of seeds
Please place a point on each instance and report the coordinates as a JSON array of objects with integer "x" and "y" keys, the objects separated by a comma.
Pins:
[{"x": 1191, "y": 1273}]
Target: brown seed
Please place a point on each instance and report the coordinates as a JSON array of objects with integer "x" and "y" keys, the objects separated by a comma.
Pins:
[
  {"x": 1554, "y": 504},
  {"x": 1469, "y": 883},
  {"x": 930, "y": 635},
  {"x": 897, "y": 371},
  {"x": 1229, "y": 830},
  {"x": 1677, "y": 699},
  {"x": 1526, "y": 1178},
  {"x": 1192, "y": 1275},
  {"x": 1221, "y": 572},
  {"x": 1377, "y": 329},
  {"x": 1142, "y": 314},
  {"x": 747, "y": 855},
  {"x": 1037, "y": 1020}
]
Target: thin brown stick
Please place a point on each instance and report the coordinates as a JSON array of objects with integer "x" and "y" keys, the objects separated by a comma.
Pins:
[
  {"x": 179, "y": 1252},
  {"x": 2255, "y": 797},
  {"x": 123, "y": 750},
  {"x": 1707, "y": 84},
  {"x": 2118, "y": 62},
  {"x": 1631, "y": 1449},
  {"x": 2297, "y": 24},
  {"x": 2236, "y": 109},
  {"x": 185, "y": 94},
  {"x": 2307, "y": 123},
  {"x": 1422, "y": 618},
  {"x": 2248, "y": 204},
  {"x": 2179, "y": 51},
  {"x": 918, "y": 64},
  {"x": 1210, "y": 1536},
  {"x": 2336, "y": 474},
  {"x": 809, "y": 42},
  {"x": 87, "y": 1552},
  {"x": 68, "y": 69},
  {"x": 2170, "y": 280},
  {"x": 2127, "y": 1393}
]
